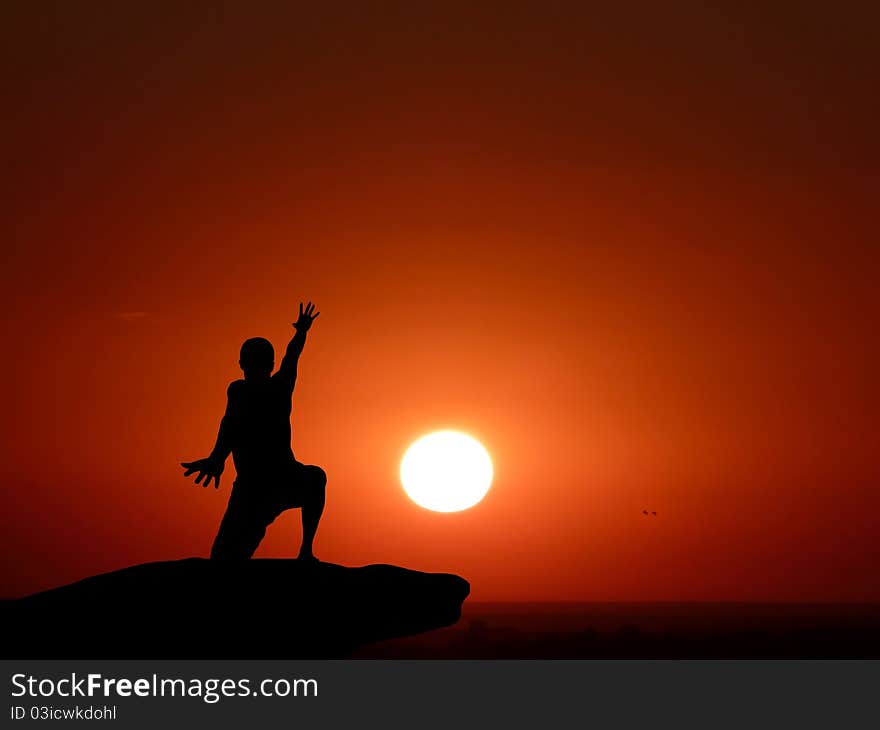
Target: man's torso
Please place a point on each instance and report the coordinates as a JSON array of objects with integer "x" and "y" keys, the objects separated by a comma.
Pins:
[{"x": 261, "y": 423}]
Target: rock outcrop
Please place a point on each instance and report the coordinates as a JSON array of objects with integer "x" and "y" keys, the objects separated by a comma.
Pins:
[{"x": 198, "y": 609}]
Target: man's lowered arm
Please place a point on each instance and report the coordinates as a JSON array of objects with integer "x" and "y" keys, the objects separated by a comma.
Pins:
[
  {"x": 212, "y": 467},
  {"x": 223, "y": 445}
]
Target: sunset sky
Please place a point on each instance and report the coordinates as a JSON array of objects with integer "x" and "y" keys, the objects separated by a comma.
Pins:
[{"x": 633, "y": 251}]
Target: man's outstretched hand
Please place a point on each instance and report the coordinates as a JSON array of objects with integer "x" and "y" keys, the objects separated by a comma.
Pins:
[
  {"x": 306, "y": 317},
  {"x": 207, "y": 469}
]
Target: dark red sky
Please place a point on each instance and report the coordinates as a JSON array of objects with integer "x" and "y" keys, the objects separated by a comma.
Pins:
[{"x": 634, "y": 251}]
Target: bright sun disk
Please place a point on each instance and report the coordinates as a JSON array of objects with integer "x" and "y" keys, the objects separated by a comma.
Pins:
[{"x": 446, "y": 471}]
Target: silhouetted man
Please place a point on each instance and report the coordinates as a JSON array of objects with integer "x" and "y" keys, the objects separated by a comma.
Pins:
[{"x": 256, "y": 430}]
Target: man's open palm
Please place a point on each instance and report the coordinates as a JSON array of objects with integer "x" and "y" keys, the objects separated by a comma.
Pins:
[
  {"x": 207, "y": 469},
  {"x": 306, "y": 317}
]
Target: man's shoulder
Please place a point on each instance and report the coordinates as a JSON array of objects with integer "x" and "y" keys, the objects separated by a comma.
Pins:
[
  {"x": 235, "y": 388},
  {"x": 283, "y": 380}
]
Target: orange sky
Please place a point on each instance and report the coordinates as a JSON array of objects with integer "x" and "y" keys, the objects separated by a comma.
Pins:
[{"x": 634, "y": 252}]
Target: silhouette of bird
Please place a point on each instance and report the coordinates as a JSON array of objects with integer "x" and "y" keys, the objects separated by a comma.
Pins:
[
  {"x": 644, "y": 512},
  {"x": 654, "y": 513}
]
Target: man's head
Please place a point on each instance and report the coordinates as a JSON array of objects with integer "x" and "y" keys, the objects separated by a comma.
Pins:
[{"x": 257, "y": 358}]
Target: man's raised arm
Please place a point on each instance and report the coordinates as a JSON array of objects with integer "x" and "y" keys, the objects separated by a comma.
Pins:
[{"x": 287, "y": 369}]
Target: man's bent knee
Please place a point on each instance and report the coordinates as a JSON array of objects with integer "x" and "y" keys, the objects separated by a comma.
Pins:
[
  {"x": 317, "y": 476},
  {"x": 317, "y": 484}
]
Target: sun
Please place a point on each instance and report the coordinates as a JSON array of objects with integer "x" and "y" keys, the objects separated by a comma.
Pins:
[{"x": 446, "y": 471}]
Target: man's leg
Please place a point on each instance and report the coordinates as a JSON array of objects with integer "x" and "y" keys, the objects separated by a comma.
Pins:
[
  {"x": 241, "y": 530},
  {"x": 313, "y": 486}
]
